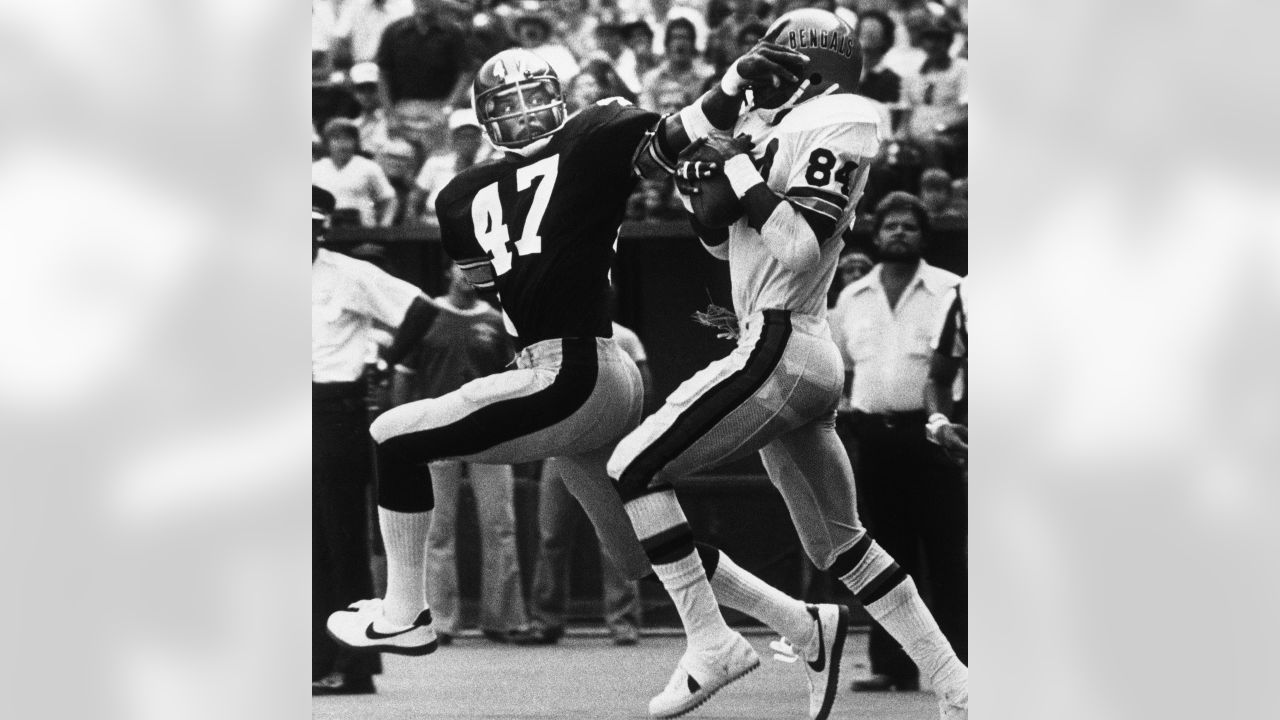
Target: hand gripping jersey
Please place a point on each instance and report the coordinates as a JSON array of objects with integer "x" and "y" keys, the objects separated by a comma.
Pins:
[
  {"x": 817, "y": 155},
  {"x": 541, "y": 229}
]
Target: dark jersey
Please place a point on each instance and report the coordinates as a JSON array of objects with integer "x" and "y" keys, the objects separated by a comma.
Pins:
[{"x": 541, "y": 229}]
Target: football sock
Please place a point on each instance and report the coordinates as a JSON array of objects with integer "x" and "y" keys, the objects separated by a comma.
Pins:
[
  {"x": 738, "y": 589},
  {"x": 890, "y": 596},
  {"x": 668, "y": 541},
  {"x": 405, "y": 538}
]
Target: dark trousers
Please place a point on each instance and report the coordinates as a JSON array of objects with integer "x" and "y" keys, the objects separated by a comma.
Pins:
[
  {"x": 915, "y": 503},
  {"x": 341, "y": 474}
]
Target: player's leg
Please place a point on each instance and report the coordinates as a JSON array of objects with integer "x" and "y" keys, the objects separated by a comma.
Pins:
[
  {"x": 726, "y": 410},
  {"x": 827, "y": 523},
  {"x": 558, "y": 520},
  {"x": 502, "y": 600},
  {"x": 441, "y": 567}
]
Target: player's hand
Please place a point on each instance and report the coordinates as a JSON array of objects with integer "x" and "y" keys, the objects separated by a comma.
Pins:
[
  {"x": 769, "y": 65},
  {"x": 954, "y": 440},
  {"x": 693, "y": 166},
  {"x": 727, "y": 146}
]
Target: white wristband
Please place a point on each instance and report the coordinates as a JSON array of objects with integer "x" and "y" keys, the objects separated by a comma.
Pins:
[
  {"x": 732, "y": 83},
  {"x": 741, "y": 173},
  {"x": 695, "y": 122}
]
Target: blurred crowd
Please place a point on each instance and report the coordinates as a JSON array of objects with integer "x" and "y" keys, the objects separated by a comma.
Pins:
[{"x": 391, "y": 79}]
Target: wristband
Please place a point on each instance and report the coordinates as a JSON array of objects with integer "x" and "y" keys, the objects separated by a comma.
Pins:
[
  {"x": 732, "y": 83},
  {"x": 741, "y": 173},
  {"x": 936, "y": 422}
]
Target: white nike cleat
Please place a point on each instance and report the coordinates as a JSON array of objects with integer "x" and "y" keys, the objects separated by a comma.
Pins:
[
  {"x": 825, "y": 648},
  {"x": 363, "y": 627},
  {"x": 700, "y": 674},
  {"x": 954, "y": 705}
]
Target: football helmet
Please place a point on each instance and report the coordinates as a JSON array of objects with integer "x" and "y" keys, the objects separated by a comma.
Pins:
[
  {"x": 835, "y": 57},
  {"x": 517, "y": 98}
]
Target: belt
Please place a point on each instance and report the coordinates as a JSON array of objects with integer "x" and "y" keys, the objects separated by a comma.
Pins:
[
  {"x": 912, "y": 419},
  {"x": 336, "y": 391}
]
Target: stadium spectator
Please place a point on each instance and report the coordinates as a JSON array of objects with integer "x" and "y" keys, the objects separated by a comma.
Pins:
[
  {"x": 464, "y": 344},
  {"x": 361, "y": 24},
  {"x": 640, "y": 39},
  {"x": 360, "y": 186},
  {"x": 423, "y": 62},
  {"x": 946, "y": 395},
  {"x": 372, "y": 121},
  {"x": 532, "y": 26},
  {"x": 400, "y": 160},
  {"x": 876, "y": 33},
  {"x": 560, "y": 518},
  {"x": 912, "y": 496},
  {"x": 910, "y": 16},
  {"x": 960, "y": 198},
  {"x": 853, "y": 267},
  {"x": 323, "y": 25},
  {"x": 466, "y": 148},
  {"x": 935, "y": 191},
  {"x": 681, "y": 65},
  {"x": 723, "y": 46},
  {"x": 936, "y": 97},
  {"x": 347, "y": 297},
  {"x": 611, "y": 46},
  {"x": 610, "y": 82}
]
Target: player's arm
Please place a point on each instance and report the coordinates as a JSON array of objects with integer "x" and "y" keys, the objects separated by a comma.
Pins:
[
  {"x": 416, "y": 322},
  {"x": 718, "y": 108}
]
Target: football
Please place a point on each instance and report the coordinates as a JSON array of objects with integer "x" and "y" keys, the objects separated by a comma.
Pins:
[{"x": 715, "y": 205}]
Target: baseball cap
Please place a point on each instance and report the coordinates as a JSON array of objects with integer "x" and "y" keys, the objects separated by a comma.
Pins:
[
  {"x": 464, "y": 117},
  {"x": 364, "y": 73}
]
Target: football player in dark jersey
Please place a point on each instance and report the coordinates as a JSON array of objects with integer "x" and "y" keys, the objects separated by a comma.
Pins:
[{"x": 537, "y": 225}]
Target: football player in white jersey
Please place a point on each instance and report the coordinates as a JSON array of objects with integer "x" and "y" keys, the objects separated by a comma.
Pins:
[{"x": 798, "y": 180}]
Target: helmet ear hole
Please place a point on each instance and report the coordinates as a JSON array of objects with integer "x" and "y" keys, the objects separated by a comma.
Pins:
[{"x": 815, "y": 79}]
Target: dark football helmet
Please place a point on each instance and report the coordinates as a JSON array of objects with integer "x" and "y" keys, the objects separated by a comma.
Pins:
[
  {"x": 835, "y": 57},
  {"x": 517, "y": 98}
]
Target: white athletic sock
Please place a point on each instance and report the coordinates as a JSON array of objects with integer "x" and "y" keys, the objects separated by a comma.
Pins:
[
  {"x": 664, "y": 532},
  {"x": 405, "y": 537},
  {"x": 738, "y": 589},
  {"x": 694, "y": 599},
  {"x": 903, "y": 615},
  {"x": 890, "y": 596}
]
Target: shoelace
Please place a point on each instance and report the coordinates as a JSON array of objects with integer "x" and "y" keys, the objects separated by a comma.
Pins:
[{"x": 784, "y": 651}]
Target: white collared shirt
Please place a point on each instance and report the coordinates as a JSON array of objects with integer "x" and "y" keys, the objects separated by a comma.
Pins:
[
  {"x": 888, "y": 350},
  {"x": 347, "y": 296}
]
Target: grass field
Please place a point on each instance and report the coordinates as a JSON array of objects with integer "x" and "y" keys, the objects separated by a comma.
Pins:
[{"x": 587, "y": 677}]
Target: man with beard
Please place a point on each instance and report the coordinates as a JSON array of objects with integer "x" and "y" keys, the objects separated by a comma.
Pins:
[{"x": 913, "y": 497}]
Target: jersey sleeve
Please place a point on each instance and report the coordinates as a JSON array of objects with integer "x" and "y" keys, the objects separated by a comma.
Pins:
[
  {"x": 829, "y": 167},
  {"x": 611, "y": 133},
  {"x": 457, "y": 235}
]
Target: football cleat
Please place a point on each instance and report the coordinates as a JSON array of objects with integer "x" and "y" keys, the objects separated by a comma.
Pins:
[
  {"x": 954, "y": 705},
  {"x": 362, "y": 627},
  {"x": 823, "y": 670},
  {"x": 700, "y": 674},
  {"x": 821, "y": 656}
]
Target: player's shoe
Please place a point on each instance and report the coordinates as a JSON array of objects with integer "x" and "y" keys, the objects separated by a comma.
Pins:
[
  {"x": 954, "y": 705},
  {"x": 700, "y": 674},
  {"x": 823, "y": 672},
  {"x": 825, "y": 647},
  {"x": 362, "y": 627}
]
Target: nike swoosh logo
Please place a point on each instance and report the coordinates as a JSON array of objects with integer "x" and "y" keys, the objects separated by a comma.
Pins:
[
  {"x": 372, "y": 634},
  {"x": 817, "y": 665}
]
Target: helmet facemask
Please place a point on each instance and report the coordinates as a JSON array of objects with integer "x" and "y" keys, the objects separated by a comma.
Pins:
[{"x": 518, "y": 113}]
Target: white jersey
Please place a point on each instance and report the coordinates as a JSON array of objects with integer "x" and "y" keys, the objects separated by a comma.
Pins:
[{"x": 817, "y": 156}]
